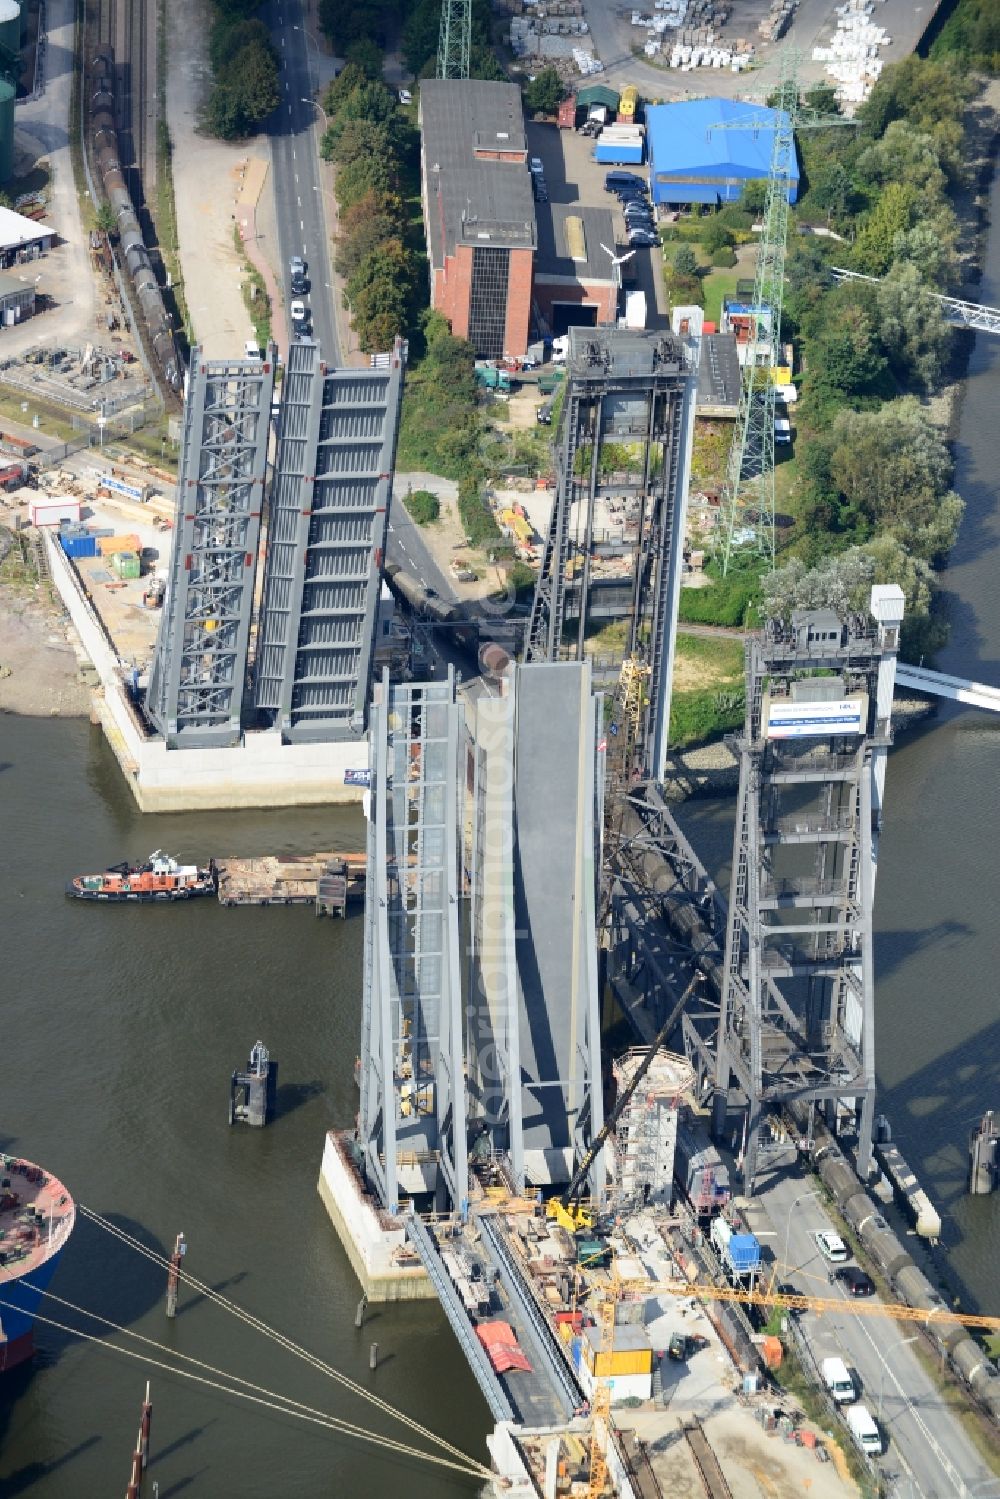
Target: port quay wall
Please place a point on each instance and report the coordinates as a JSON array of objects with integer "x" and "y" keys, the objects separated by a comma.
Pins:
[
  {"x": 371, "y": 1238},
  {"x": 261, "y": 771}
]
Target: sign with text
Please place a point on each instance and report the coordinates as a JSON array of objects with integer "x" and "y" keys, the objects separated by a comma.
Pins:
[{"x": 803, "y": 720}]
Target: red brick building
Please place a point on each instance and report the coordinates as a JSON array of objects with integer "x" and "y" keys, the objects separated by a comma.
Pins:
[{"x": 479, "y": 211}]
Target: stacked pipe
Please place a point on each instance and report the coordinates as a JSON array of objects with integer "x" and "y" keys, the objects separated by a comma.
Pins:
[{"x": 133, "y": 249}]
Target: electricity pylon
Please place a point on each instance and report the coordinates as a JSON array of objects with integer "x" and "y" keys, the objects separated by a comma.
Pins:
[
  {"x": 454, "y": 39},
  {"x": 748, "y": 491}
]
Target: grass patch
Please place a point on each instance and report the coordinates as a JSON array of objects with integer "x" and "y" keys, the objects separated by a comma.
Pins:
[
  {"x": 423, "y": 506},
  {"x": 19, "y": 569},
  {"x": 717, "y": 286},
  {"x": 726, "y": 601},
  {"x": 700, "y": 661},
  {"x": 705, "y": 714},
  {"x": 255, "y": 297},
  {"x": 710, "y": 451}
]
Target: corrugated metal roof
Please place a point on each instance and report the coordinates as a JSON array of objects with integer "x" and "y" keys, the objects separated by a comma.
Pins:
[
  {"x": 469, "y": 199},
  {"x": 597, "y": 93},
  {"x": 686, "y": 139}
]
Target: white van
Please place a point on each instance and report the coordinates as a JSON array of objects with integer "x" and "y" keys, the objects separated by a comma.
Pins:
[
  {"x": 863, "y": 1429},
  {"x": 837, "y": 1378},
  {"x": 252, "y": 351}
]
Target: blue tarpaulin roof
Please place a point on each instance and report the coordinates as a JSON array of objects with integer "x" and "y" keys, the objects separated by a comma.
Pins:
[{"x": 693, "y": 158}]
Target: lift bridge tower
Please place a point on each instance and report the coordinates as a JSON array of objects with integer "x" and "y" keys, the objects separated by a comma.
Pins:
[
  {"x": 797, "y": 1004},
  {"x": 615, "y": 542}
]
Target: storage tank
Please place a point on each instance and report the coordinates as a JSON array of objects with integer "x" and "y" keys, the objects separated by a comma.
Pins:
[
  {"x": 7, "y": 95},
  {"x": 10, "y": 25}
]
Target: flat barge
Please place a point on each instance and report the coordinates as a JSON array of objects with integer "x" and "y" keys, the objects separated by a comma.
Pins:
[{"x": 325, "y": 881}]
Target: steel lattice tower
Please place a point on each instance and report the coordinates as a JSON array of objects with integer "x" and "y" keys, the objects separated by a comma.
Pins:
[
  {"x": 797, "y": 1007},
  {"x": 751, "y": 456},
  {"x": 197, "y": 679},
  {"x": 454, "y": 39}
]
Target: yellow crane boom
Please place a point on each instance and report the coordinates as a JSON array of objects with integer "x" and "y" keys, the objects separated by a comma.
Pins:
[{"x": 789, "y": 1301}]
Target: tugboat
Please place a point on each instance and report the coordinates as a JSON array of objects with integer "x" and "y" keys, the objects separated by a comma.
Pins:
[{"x": 160, "y": 878}]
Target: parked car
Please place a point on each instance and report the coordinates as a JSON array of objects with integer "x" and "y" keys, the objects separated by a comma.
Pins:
[
  {"x": 640, "y": 239},
  {"x": 297, "y": 266},
  {"x": 637, "y": 212},
  {"x": 831, "y": 1246},
  {"x": 618, "y": 179},
  {"x": 299, "y": 313},
  {"x": 854, "y": 1281},
  {"x": 300, "y": 284},
  {"x": 536, "y": 165},
  {"x": 405, "y": 97}
]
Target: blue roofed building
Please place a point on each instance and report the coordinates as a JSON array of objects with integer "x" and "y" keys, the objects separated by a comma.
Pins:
[{"x": 694, "y": 160}]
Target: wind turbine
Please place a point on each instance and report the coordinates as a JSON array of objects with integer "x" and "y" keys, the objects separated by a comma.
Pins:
[{"x": 617, "y": 261}]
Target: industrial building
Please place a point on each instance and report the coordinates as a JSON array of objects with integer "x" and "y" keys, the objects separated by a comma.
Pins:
[
  {"x": 22, "y": 238},
  {"x": 17, "y": 299},
  {"x": 479, "y": 211},
  {"x": 576, "y": 281},
  {"x": 706, "y": 151},
  {"x": 645, "y": 1136}
]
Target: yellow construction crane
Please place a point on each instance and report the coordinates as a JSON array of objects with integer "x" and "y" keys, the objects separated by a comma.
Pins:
[{"x": 616, "y": 1286}]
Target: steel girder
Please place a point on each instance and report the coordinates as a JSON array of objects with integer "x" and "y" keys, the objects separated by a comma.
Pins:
[
  {"x": 326, "y": 544},
  {"x": 197, "y": 679}
]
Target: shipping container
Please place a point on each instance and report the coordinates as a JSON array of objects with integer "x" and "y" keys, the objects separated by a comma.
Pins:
[
  {"x": 79, "y": 546},
  {"x": 108, "y": 545},
  {"x": 52, "y": 511},
  {"x": 567, "y": 113},
  {"x": 619, "y": 153},
  {"x": 126, "y": 564},
  {"x": 632, "y": 1352}
]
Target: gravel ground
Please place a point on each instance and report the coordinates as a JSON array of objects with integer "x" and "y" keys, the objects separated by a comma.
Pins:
[{"x": 39, "y": 672}]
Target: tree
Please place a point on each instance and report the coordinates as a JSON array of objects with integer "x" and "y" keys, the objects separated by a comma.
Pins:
[
  {"x": 684, "y": 261},
  {"x": 912, "y": 327},
  {"x": 821, "y": 98},
  {"x": 845, "y": 356},
  {"x": 715, "y": 236},
  {"x": 379, "y": 295},
  {"x": 902, "y": 155},
  {"x": 754, "y": 195},
  {"x": 244, "y": 94},
  {"x": 916, "y": 89},
  {"x": 106, "y": 219},
  {"x": 365, "y": 174},
  {"x": 892, "y": 467},
  {"x": 892, "y": 213},
  {"x": 929, "y": 247},
  {"x": 364, "y": 225},
  {"x": 842, "y": 582},
  {"x": 544, "y": 94},
  {"x": 368, "y": 56}
]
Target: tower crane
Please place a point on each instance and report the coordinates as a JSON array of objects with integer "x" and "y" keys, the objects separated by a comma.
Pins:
[{"x": 751, "y": 454}]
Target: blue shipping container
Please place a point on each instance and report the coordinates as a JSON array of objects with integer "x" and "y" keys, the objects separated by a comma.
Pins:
[
  {"x": 79, "y": 546},
  {"x": 743, "y": 1252},
  {"x": 617, "y": 153}
]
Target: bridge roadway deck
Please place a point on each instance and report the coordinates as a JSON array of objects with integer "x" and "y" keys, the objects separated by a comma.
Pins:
[{"x": 958, "y": 689}]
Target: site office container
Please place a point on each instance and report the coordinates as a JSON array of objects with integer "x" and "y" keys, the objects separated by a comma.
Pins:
[
  {"x": 52, "y": 511},
  {"x": 79, "y": 546},
  {"x": 567, "y": 113},
  {"x": 127, "y": 564}
]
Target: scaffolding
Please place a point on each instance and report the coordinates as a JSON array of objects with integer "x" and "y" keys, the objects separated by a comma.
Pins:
[
  {"x": 796, "y": 1017},
  {"x": 630, "y": 394},
  {"x": 197, "y": 679},
  {"x": 326, "y": 541},
  {"x": 645, "y": 1136}
]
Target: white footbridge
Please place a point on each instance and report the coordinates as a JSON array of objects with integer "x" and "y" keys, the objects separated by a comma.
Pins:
[{"x": 939, "y": 684}]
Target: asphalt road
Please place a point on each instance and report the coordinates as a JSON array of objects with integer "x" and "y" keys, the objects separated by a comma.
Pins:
[
  {"x": 298, "y": 200},
  {"x": 406, "y": 547},
  {"x": 926, "y": 1447}
]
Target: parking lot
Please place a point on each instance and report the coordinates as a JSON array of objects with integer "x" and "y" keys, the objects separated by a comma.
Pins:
[{"x": 573, "y": 177}]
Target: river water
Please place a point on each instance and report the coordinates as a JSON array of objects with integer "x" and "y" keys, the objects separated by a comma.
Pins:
[
  {"x": 120, "y": 1028},
  {"x": 937, "y": 933}
]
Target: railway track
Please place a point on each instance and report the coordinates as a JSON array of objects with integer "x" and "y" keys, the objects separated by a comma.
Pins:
[{"x": 130, "y": 28}]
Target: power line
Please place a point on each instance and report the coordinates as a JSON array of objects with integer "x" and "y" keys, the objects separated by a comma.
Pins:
[
  {"x": 260, "y": 1326},
  {"x": 275, "y": 1402}
]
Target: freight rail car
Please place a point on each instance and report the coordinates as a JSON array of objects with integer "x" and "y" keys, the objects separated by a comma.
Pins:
[{"x": 134, "y": 255}]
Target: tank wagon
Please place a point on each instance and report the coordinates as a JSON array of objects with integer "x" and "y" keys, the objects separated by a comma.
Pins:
[
  {"x": 909, "y": 1282},
  {"x": 135, "y": 256}
]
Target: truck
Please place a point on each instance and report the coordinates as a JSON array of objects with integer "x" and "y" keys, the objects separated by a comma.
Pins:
[
  {"x": 739, "y": 1252},
  {"x": 635, "y": 309},
  {"x": 864, "y": 1430},
  {"x": 838, "y": 1380},
  {"x": 621, "y": 145}
]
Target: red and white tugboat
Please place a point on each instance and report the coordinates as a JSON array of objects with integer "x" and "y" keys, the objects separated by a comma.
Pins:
[{"x": 160, "y": 878}]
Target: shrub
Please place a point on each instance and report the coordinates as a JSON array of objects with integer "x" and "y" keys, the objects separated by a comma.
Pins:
[
  {"x": 423, "y": 506},
  {"x": 725, "y": 257}
]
